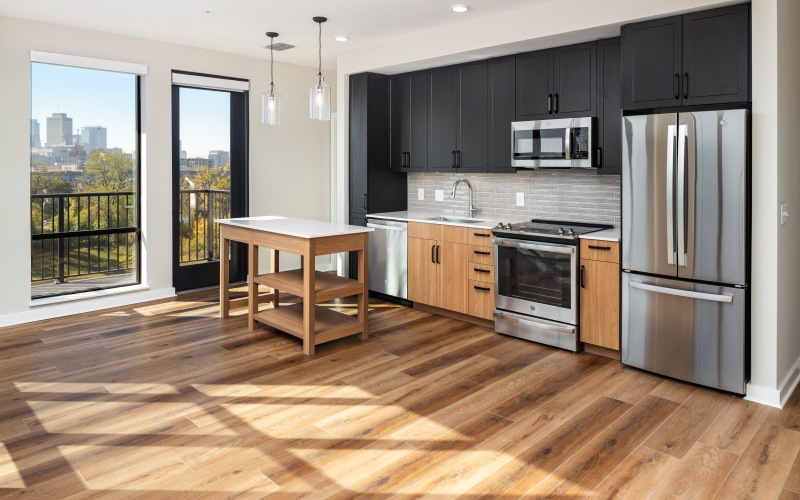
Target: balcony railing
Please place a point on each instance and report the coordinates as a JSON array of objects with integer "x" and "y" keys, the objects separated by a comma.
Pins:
[
  {"x": 83, "y": 234},
  {"x": 199, "y": 210}
]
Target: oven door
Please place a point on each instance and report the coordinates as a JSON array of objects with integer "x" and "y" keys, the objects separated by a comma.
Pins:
[{"x": 537, "y": 279}]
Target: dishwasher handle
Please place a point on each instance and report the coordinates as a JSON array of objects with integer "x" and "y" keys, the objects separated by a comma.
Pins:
[{"x": 388, "y": 228}]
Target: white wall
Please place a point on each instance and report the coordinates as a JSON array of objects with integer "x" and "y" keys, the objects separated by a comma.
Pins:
[
  {"x": 776, "y": 106},
  {"x": 289, "y": 165}
]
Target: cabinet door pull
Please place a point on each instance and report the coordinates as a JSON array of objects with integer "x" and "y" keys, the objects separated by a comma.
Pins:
[
  {"x": 595, "y": 247},
  {"x": 479, "y": 252},
  {"x": 365, "y": 201},
  {"x": 479, "y": 270},
  {"x": 583, "y": 276},
  {"x": 549, "y": 103},
  {"x": 433, "y": 254},
  {"x": 405, "y": 160},
  {"x": 676, "y": 83},
  {"x": 458, "y": 159},
  {"x": 555, "y": 103},
  {"x": 482, "y": 288},
  {"x": 686, "y": 85},
  {"x": 481, "y": 235},
  {"x": 453, "y": 159},
  {"x": 437, "y": 255},
  {"x": 599, "y": 157}
]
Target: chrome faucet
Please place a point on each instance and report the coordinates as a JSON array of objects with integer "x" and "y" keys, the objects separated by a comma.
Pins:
[{"x": 472, "y": 209}]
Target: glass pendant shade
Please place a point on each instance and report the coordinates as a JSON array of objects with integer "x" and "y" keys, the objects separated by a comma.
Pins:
[
  {"x": 271, "y": 108},
  {"x": 320, "y": 100}
]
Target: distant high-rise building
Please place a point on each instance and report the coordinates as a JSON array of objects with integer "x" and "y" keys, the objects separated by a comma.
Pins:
[
  {"x": 218, "y": 158},
  {"x": 36, "y": 140},
  {"x": 93, "y": 138},
  {"x": 59, "y": 130}
]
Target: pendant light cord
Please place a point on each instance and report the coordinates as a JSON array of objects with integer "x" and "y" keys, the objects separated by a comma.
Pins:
[
  {"x": 271, "y": 64},
  {"x": 320, "y": 54}
]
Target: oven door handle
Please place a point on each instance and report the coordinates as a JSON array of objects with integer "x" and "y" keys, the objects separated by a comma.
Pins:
[
  {"x": 539, "y": 324},
  {"x": 505, "y": 242}
]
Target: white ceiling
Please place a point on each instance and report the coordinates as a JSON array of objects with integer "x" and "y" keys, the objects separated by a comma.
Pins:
[{"x": 238, "y": 26}]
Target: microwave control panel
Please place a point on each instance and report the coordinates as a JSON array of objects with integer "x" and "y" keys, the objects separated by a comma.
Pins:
[{"x": 580, "y": 144}]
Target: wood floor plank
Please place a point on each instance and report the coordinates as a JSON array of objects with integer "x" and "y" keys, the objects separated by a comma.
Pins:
[
  {"x": 736, "y": 425},
  {"x": 698, "y": 475},
  {"x": 636, "y": 475},
  {"x": 765, "y": 464}
]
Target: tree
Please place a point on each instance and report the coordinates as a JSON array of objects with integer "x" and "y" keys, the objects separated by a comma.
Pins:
[
  {"x": 213, "y": 178},
  {"x": 49, "y": 184},
  {"x": 107, "y": 171}
]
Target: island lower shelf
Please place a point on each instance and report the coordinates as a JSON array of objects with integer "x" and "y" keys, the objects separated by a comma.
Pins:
[
  {"x": 328, "y": 325},
  {"x": 327, "y": 286}
]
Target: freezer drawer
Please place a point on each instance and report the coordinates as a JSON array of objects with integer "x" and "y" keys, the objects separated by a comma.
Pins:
[{"x": 685, "y": 330}]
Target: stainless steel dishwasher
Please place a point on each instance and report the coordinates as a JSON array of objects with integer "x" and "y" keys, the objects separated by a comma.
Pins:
[{"x": 388, "y": 257}]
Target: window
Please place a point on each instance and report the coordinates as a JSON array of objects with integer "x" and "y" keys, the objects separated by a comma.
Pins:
[{"x": 85, "y": 132}]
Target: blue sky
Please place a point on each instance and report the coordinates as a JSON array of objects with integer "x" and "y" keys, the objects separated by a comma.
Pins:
[{"x": 107, "y": 99}]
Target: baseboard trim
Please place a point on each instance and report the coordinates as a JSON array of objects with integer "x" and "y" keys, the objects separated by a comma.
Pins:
[
  {"x": 85, "y": 305},
  {"x": 776, "y": 398}
]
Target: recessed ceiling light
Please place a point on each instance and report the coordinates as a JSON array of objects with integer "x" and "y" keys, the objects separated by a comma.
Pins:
[
  {"x": 208, "y": 12},
  {"x": 460, "y": 8},
  {"x": 342, "y": 38}
]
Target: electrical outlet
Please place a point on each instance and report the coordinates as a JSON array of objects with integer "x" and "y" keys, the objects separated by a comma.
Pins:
[
  {"x": 420, "y": 194},
  {"x": 784, "y": 213},
  {"x": 439, "y": 195},
  {"x": 520, "y": 199}
]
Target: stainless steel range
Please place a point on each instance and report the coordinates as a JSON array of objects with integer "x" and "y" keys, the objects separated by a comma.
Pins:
[{"x": 536, "y": 280}]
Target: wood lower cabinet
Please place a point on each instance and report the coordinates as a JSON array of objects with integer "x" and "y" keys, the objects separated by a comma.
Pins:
[
  {"x": 437, "y": 273},
  {"x": 422, "y": 271},
  {"x": 600, "y": 294},
  {"x": 481, "y": 299}
]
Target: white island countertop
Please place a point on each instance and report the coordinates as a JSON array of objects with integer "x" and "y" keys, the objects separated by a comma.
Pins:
[
  {"x": 428, "y": 218},
  {"x": 290, "y": 226}
]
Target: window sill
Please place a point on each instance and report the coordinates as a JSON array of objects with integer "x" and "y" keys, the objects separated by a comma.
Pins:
[{"x": 87, "y": 295}]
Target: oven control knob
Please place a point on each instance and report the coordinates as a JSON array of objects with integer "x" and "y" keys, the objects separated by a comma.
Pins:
[
  {"x": 571, "y": 232},
  {"x": 561, "y": 230}
]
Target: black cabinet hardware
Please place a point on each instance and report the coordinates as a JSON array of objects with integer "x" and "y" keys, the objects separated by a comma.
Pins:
[
  {"x": 686, "y": 85},
  {"x": 676, "y": 86},
  {"x": 453, "y": 159},
  {"x": 365, "y": 201},
  {"x": 555, "y": 103},
  {"x": 595, "y": 247},
  {"x": 599, "y": 157},
  {"x": 583, "y": 276},
  {"x": 482, "y": 288},
  {"x": 549, "y": 103},
  {"x": 458, "y": 158},
  {"x": 481, "y": 235},
  {"x": 437, "y": 255},
  {"x": 479, "y": 252},
  {"x": 433, "y": 254},
  {"x": 479, "y": 270}
]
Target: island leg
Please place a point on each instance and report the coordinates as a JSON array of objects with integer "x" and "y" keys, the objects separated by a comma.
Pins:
[
  {"x": 363, "y": 298},
  {"x": 252, "y": 287},
  {"x": 309, "y": 298},
  {"x": 224, "y": 273},
  {"x": 274, "y": 264}
]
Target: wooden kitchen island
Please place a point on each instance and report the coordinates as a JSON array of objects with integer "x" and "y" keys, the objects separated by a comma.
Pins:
[{"x": 307, "y": 238}]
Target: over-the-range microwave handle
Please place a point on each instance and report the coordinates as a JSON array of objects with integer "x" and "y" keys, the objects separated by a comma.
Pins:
[
  {"x": 681, "y": 293},
  {"x": 505, "y": 242},
  {"x": 568, "y": 143},
  {"x": 529, "y": 319}
]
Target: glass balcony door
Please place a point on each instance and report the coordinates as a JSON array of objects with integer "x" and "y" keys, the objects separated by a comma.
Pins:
[{"x": 209, "y": 181}]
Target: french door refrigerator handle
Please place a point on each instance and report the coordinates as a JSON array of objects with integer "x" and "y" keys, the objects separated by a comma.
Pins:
[
  {"x": 681, "y": 293},
  {"x": 681, "y": 213},
  {"x": 671, "y": 132}
]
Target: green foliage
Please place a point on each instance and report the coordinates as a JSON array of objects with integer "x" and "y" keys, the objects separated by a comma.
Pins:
[
  {"x": 49, "y": 184},
  {"x": 212, "y": 178},
  {"x": 105, "y": 171}
]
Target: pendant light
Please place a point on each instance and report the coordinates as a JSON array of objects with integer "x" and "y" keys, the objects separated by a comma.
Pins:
[
  {"x": 320, "y": 95},
  {"x": 271, "y": 102}
]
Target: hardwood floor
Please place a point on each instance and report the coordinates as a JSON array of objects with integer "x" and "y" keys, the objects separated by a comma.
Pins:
[{"x": 168, "y": 401}]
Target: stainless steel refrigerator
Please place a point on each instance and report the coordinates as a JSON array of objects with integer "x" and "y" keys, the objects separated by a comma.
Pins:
[{"x": 684, "y": 246}]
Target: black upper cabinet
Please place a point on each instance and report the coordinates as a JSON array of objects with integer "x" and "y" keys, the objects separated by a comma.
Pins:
[
  {"x": 698, "y": 58},
  {"x": 609, "y": 107},
  {"x": 373, "y": 186},
  {"x": 409, "y": 122},
  {"x": 716, "y": 62},
  {"x": 459, "y": 118},
  {"x": 443, "y": 123},
  {"x": 534, "y": 85},
  {"x": 574, "y": 85},
  {"x": 502, "y": 83},
  {"x": 652, "y": 63},
  {"x": 557, "y": 83}
]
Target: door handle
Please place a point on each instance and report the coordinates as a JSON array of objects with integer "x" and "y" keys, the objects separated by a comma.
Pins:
[
  {"x": 676, "y": 83},
  {"x": 549, "y": 103},
  {"x": 482, "y": 288},
  {"x": 681, "y": 293},
  {"x": 437, "y": 255},
  {"x": 671, "y": 132},
  {"x": 365, "y": 201},
  {"x": 583, "y": 276},
  {"x": 458, "y": 158},
  {"x": 686, "y": 85},
  {"x": 595, "y": 247},
  {"x": 682, "y": 198},
  {"x": 433, "y": 254},
  {"x": 599, "y": 157},
  {"x": 555, "y": 103},
  {"x": 453, "y": 159}
]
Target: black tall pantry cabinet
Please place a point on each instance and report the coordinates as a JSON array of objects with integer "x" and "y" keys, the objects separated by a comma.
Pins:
[{"x": 369, "y": 153}]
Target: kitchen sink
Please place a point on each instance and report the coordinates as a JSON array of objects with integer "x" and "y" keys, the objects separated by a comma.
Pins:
[{"x": 459, "y": 220}]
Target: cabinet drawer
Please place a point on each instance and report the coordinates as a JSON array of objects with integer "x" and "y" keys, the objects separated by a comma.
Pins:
[
  {"x": 481, "y": 272},
  {"x": 604, "y": 251},
  {"x": 481, "y": 255},
  {"x": 438, "y": 232},
  {"x": 481, "y": 299},
  {"x": 480, "y": 237}
]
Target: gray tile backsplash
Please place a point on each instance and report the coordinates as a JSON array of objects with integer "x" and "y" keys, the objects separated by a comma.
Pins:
[{"x": 566, "y": 195}]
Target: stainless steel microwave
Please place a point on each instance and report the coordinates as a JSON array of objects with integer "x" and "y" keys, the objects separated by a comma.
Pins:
[{"x": 561, "y": 143}]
